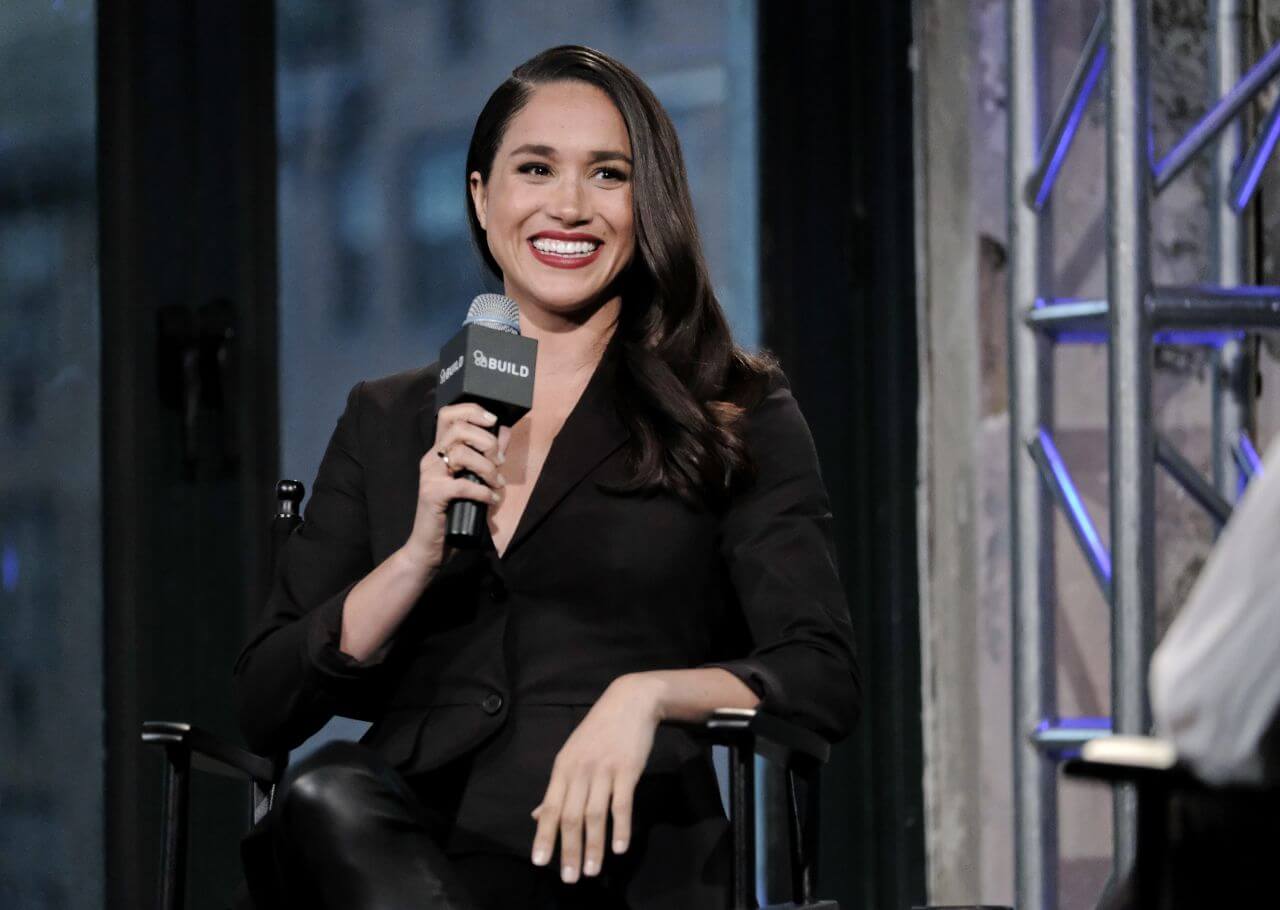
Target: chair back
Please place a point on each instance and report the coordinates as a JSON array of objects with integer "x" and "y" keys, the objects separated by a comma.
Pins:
[
  {"x": 289, "y": 496},
  {"x": 288, "y": 518}
]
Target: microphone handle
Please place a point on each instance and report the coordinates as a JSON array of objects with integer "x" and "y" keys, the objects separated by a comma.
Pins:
[{"x": 465, "y": 519}]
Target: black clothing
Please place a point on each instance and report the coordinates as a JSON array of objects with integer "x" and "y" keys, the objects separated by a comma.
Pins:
[
  {"x": 1210, "y": 847},
  {"x": 347, "y": 830},
  {"x": 502, "y": 657}
]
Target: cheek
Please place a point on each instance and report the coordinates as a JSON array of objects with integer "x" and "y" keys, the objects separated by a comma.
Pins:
[
  {"x": 621, "y": 217},
  {"x": 509, "y": 206}
]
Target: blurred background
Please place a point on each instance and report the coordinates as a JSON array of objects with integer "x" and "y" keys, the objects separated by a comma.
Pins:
[{"x": 216, "y": 217}]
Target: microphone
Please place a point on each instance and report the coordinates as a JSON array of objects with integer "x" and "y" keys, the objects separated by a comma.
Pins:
[{"x": 490, "y": 363}]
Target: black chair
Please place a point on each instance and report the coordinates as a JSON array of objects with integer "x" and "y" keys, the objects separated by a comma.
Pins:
[
  {"x": 746, "y": 733},
  {"x": 1198, "y": 845}
]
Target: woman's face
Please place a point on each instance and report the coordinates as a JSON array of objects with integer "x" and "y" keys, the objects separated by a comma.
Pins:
[{"x": 556, "y": 209}]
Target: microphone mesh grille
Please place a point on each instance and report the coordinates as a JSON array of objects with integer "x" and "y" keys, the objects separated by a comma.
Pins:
[{"x": 494, "y": 311}]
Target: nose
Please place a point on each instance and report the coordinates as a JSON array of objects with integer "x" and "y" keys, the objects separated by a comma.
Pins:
[{"x": 569, "y": 203}]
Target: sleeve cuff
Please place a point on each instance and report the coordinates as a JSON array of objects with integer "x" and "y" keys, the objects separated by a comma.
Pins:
[
  {"x": 759, "y": 679},
  {"x": 323, "y": 638}
]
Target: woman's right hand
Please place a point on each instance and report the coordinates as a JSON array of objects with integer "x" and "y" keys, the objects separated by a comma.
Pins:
[{"x": 464, "y": 432}]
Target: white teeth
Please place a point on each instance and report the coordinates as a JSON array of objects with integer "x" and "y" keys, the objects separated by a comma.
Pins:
[{"x": 565, "y": 247}]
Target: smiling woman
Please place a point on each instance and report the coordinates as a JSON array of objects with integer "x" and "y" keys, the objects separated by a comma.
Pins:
[
  {"x": 658, "y": 547},
  {"x": 557, "y": 193}
]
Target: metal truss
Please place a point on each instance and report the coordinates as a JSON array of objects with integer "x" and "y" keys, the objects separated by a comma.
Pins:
[{"x": 1135, "y": 316}]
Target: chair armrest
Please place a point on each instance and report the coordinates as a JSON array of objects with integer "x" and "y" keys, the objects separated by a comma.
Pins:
[
  {"x": 766, "y": 734},
  {"x": 1150, "y": 763},
  {"x": 800, "y": 752},
  {"x": 1142, "y": 760},
  {"x": 209, "y": 753}
]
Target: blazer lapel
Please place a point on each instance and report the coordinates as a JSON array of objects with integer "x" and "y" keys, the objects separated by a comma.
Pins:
[{"x": 591, "y": 433}]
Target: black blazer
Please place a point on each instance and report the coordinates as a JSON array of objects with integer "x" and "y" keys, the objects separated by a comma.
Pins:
[{"x": 501, "y": 658}]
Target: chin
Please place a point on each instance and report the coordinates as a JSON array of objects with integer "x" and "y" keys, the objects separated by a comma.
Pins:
[
  {"x": 565, "y": 301},
  {"x": 568, "y": 304}
]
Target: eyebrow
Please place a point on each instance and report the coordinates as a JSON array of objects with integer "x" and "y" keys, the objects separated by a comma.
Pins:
[{"x": 547, "y": 151}]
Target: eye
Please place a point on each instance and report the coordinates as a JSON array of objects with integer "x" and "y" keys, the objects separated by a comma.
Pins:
[
  {"x": 535, "y": 168},
  {"x": 611, "y": 174}
]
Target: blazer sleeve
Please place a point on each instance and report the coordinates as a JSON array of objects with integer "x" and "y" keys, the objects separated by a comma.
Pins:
[
  {"x": 291, "y": 677},
  {"x": 776, "y": 542}
]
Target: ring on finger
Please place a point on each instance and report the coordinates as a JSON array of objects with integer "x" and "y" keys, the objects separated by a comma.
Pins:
[{"x": 444, "y": 456}]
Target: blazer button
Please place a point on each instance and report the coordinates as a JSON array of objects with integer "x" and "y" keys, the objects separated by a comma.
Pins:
[{"x": 492, "y": 703}]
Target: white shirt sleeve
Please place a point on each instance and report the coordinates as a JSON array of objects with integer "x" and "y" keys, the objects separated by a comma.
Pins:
[{"x": 1215, "y": 678}]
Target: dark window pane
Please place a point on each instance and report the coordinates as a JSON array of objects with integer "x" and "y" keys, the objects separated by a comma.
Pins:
[{"x": 51, "y": 699}]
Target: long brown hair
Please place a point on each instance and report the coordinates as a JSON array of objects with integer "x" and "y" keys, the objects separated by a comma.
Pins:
[{"x": 683, "y": 384}]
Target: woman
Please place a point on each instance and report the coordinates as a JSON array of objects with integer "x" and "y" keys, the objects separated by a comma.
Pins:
[{"x": 659, "y": 548}]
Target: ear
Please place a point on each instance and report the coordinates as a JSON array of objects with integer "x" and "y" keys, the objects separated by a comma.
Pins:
[{"x": 479, "y": 198}]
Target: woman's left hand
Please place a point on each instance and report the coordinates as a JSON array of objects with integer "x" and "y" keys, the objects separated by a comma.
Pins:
[{"x": 595, "y": 775}]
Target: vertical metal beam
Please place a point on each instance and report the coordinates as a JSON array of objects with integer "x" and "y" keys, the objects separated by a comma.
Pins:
[
  {"x": 1129, "y": 180},
  {"x": 1230, "y": 410},
  {"x": 1030, "y": 406},
  {"x": 742, "y": 768}
]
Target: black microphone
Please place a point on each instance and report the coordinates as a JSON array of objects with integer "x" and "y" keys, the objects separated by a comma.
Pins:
[{"x": 491, "y": 363}]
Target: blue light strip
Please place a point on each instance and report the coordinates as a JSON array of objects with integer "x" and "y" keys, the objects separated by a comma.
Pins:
[
  {"x": 1070, "y": 728},
  {"x": 1184, "y": 339},
  {"x": 1073, "y": 307},
  {"x": 1078, "y": 320},
  {"x": 1063, "y": 738},
  {"x": 1244, "y": 182},
  {"x": 1056, "y": 476},
  {"x": 1246, "y": 457},
  {"x": 1212, "y": 123},
  {"x": 1060, "y": 140}
]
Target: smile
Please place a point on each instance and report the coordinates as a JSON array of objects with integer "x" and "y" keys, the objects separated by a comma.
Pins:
[{"x": 565, "y": 254}]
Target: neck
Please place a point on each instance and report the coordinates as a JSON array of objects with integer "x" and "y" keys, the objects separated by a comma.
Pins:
[{"x": 569, "y": 345}]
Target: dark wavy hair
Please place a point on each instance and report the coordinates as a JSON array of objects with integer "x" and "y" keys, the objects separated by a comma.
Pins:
[{"x": 683, "y": 384}]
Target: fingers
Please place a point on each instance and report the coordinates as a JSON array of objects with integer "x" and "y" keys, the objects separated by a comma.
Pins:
[
  {"x": 469, "y": 423},
  {"x": 562, "y": 812},
  {"x": 468, "y": 445},
  {"x": 451, "y": 488},
  {"x": 459, "y": 435},
  {"x": 466, "y": 412},
  {"x": 572, "y": 815},
  {"x": 596, "y": 819},
  {"x": 578, "y": 811},
  {"x": 464, "y": 458},
  {"x": 624, "y": 788},
  {"x": 548, "y": 815}
]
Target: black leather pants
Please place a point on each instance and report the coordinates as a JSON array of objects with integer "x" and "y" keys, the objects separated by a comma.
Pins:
[{"x": 348, "y": 831}]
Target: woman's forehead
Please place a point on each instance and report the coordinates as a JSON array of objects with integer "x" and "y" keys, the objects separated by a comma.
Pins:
[{"x": 569, "y": 119}]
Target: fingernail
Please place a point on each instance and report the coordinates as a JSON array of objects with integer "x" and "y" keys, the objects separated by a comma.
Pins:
[
  {"x": 497, "y": 497},
  {"x": 619, "y": 846},
  {"x": 568, "y": 875},
  {"x": 540, "y": 857},
  {"x": 590, "y": 867},
  {"x": 502, "y": 481},
  {"x": 492, "y": 418},
  {"x": 502, "y": 459}
]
